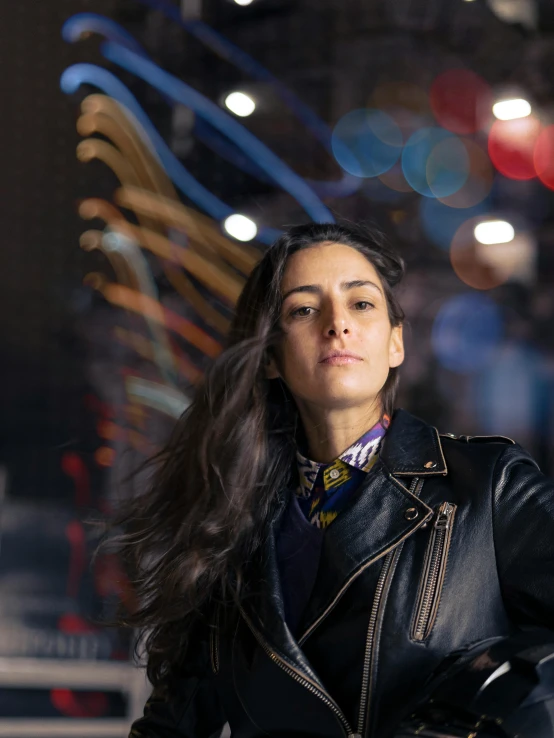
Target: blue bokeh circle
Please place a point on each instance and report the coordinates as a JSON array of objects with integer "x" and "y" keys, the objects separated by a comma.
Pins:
[
  {"x": 435, "y": 162},
  {"x": 467, "y": 332},
  {"x": 366, "y": 142}
]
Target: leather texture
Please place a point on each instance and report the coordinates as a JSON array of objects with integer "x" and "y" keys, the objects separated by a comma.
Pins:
[{"x": 380, "y": 560}]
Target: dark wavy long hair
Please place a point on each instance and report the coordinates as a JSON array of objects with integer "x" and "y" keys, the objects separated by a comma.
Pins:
[{"x": 187, "y": 538}]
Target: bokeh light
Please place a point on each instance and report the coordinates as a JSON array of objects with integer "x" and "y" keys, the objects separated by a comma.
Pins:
[
  {"x": 479, "y": 182},
  {"x": 366, "y": 142},
  {"x": 511, "y": 109},
  {"x": 240, "y": 227},
  {"x": 543, "y": 157},
  {"x": 240, "y": 104},
  {"x": 461, "y": 100},
  {"x": 467, "y": 332},
  {"x": 512, "y": 146},
  {"x": 447, "y": 166},
  {"x": 494, "y": 231},
  {"x": 104, "y": 456},
  {"x": 435, "y": 162},
  {"x": 487, "y": 265},
  {"x": 469, "y": 260}
]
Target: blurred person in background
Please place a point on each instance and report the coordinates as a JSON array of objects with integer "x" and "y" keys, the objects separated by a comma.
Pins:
[{"x": 306, "y": 555}]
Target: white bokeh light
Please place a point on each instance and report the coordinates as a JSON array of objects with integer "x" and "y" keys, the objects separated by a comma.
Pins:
[
  {"x": 511, "y": 109},
  {"x": 494, "y": 231},
  {"x": 244, "y": 2},
  {"x": 240, "y": 103},
  {"x": 240, "y": 227}
]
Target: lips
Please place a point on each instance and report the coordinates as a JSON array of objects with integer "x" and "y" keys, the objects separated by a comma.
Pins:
[{"x": 341, "y": 357}]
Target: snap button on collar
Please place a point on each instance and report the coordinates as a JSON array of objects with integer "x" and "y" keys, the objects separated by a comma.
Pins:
[
  {"x": 430, "y": 464},
  {"x": 411, "y": 513},
  {"x": 334, "y": 473}
]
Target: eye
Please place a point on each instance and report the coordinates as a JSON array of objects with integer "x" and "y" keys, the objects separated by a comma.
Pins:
[
  {"x": 299, "y": 312},
  {"x": 365, "y": 305}
]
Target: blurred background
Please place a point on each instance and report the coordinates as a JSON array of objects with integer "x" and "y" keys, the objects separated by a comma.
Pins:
[{"x": 151, "y": 150}]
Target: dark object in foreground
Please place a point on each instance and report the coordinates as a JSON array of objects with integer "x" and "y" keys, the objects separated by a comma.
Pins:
[{"x": 501, "y": 690}]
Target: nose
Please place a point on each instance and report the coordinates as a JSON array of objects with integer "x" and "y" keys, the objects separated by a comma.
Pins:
[{"x": 336, "y": 322}]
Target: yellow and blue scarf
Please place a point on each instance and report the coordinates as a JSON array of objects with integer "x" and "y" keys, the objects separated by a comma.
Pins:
[{"x": 325, "y": 489}]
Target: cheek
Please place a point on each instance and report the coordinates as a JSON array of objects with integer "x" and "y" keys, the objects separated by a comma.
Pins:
[
  {"x": 293, "y": 350},
  {"x": 296, "y": 359},
  {"x": 379, "y": 341}
]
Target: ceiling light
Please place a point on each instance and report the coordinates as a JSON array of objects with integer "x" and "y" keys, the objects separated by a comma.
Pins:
[
  {"x": 240, "y": 227},
  {"x": 240, "y": 104},
  {"x": 494, "y": 231},
  {"x": 244, "y": 2},
  {"x": 511, "y": 109}
]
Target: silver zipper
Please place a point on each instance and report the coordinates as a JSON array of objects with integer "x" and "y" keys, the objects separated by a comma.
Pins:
[
  {"x": 434, "y": 570},
  {"x": 370, "y": 642},
  {"x": 302, "y": 679},
  {"x": 369, "y": 656},
  {"x": 214, "y": 642}
]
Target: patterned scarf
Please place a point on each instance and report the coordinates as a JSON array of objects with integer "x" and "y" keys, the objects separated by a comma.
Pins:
[{"x": 325, "y": 489}]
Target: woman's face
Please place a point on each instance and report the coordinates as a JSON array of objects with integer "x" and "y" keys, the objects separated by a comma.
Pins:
[{"x": 333, "y": 301}]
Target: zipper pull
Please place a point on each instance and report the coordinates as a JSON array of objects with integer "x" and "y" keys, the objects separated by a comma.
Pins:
[{"x": 444, "y": 515}]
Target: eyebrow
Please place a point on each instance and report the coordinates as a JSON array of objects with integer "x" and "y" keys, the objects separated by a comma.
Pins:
[{"x": 315, "y": 289}]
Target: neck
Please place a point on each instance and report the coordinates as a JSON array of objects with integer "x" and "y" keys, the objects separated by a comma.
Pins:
[{"x": 330, "y": 432}]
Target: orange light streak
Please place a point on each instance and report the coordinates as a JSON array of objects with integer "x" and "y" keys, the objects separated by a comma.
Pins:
[
  {"x": 92, "y": 239},
  {"x": 144, "y": 348},
  {"x": 148, "y": 307},
  {"x": 186, "y": 289},
  {"x": 98, "y": 104},
  {"x": 94, "y": 148}
]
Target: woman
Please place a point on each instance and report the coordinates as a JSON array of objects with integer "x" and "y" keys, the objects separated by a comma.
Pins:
[{"x": 306, "y": 557}]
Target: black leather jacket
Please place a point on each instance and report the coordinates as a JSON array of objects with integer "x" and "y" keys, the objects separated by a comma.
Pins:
[{"x": 449, "y": 542}]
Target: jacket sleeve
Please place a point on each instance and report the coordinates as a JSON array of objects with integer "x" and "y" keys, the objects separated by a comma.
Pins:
[
  {"x": 523, "y": 523},
  {"x": 187, "y": 706}
]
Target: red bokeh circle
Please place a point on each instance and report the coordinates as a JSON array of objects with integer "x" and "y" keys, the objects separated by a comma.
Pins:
[
  {"x": 512, "y": 146},
  {"x": 543, "y": 157},
  {"x": 461, "y": 101}
]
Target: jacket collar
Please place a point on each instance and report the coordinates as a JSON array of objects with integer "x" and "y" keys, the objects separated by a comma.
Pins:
[
  {"x": 412, "y": 448},
  {"x": 359, "y": 455}
]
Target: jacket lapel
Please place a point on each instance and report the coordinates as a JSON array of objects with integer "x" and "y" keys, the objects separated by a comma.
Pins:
[{"x": 383, "y": 515}]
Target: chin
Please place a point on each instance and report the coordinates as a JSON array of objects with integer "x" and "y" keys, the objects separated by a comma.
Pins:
[{"x": 344, "y": 397}]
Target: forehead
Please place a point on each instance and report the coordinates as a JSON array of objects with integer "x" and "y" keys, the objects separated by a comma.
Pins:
[{"x": 327, "y": 262}]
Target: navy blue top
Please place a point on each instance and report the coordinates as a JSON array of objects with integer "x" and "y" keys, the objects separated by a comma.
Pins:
[{"x": 298, "y": 547}]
